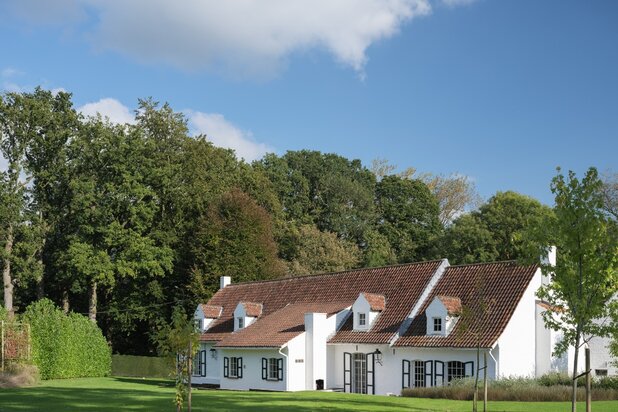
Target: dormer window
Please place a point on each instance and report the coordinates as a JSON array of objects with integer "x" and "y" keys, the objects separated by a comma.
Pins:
[
  {"x": 245, "y": 314},
  {"x": 437, "y": 325},
  {"x": 442, "y": 315},
  {"x": 205, "y": 315},
  {"x": 366, "y": 309}
]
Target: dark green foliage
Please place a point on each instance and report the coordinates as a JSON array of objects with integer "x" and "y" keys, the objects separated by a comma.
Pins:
[
  {"x": 409, "y": 218},
  {"x": 234, "y": 238},
  {"x": 66, "y": 346},
  {"x": 142, "y": 366},
  {"x": 497, "y": 231}
]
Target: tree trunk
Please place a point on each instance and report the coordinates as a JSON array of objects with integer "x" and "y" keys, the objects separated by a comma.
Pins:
[
  {"x": 40, "y": 285},
  {"x": 588, "y": 382},
  {"x": 476, "y": 380},
  {"x": 65, "y": 301},
  {"x": 92, "y": 304},
  {"x": 575, "y": 359},
  {"x": 485, "y": 382},
  {"x": 190, "y": 369},
  {"x": 6, "y": 272}
]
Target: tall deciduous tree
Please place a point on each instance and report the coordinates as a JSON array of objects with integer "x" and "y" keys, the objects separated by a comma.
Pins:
[
  {"x": 110, "y": 213},
  {"x": 585, "y": 277},
  {"x": 494, "y": 232},
  {"x": 408, "y": 217},
  {"x": 234, "y": 238},
  {"x": 321, "y": 252}
]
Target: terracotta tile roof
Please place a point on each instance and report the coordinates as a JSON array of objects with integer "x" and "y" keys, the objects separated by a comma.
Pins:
[
  {"x": 451, "y": 303},
  {"x": 547, "y": 306},
  {"x": 401, "y": 285},
  {"x": 276, "y": 329},
  {"x": 211, "y": 311},
  {"x": 503, "y": 284},
  {"x": 252, "y": 309},
  {"x": 376, "y": 302}
]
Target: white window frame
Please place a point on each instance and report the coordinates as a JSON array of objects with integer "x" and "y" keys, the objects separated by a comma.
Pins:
[
  {"x": 233, "y": 367},
  {"x": 241, "y": 322},
  {"x": 273, "y": 369},
  {"x": 362, "y": 320},
  {"x": 437, "y": 321}
]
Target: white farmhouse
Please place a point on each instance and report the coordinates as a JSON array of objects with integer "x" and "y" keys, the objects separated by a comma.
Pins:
[{"x": 374, "y": 330}]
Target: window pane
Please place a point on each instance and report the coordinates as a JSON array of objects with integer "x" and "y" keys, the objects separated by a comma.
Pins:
[
  {"x": 455, "y": 370},
  {"x": 419, "y": 374}
]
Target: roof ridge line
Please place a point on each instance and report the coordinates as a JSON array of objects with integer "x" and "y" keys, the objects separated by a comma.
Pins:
[
  {"x": 492, "y": 263},
  {"x": 334, "y": 273}
]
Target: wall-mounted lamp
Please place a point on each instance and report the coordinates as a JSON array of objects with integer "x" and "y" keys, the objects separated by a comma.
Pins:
[
  {"x": 213, "y": 353},
  {"x": 378, "y": 356}
]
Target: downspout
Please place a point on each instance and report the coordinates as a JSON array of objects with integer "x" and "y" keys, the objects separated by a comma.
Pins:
[
  {"x": 287, "y": 370},
  {"x": 495, "y": 363}
]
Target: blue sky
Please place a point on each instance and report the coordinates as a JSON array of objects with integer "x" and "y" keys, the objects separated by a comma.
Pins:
[{"x": 500, "y": 91}]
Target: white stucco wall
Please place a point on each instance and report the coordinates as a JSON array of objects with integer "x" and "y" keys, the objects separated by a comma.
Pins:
[
  {"x": 388, "y": 376},
  {"x": 252, "y": 370},
  {"x": 297, "y": 364},
  {"x": 212, "y": 366},
  {"x": 600, "y": 358},
  {"x": 517, "y": 344}
]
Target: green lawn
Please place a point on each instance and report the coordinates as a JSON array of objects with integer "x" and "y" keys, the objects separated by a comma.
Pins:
[{"x": 132, "y": 394}]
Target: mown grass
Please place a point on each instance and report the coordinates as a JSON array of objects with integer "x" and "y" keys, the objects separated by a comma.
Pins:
[{"x": 133, "y": 394}]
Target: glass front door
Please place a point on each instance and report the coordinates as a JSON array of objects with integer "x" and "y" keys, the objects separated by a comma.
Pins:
[{"x": 359, "y": 373}]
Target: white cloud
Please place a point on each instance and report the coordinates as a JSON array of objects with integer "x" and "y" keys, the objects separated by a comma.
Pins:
[
  {"x": 110, "y": 108},
  {"x": 251, "y": 37},
  {"x": 223, "y": 133}
]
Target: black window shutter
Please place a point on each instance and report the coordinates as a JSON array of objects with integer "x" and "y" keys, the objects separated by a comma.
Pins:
[
  {"x": 264, "y": 368},
  {"x": 371, "y": 377},
  {"x": 203, "y": 362},
  {"x": 439, "y": 369},
  {"x": 469, "y": 369},
  {"x": 239, "y": 374},
  {"x": 428, "y": 373},
  {"x": 347, "y": 372},
  {"x": 405, "y": 373},
  {"x": 280, "y": 369},
  {"x": 226, "y": 367}
]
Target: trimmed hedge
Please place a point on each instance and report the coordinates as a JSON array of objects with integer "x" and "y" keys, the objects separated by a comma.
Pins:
[
  {"x": 142, "y": 366},
  {"x": 66, "y": 346},
  {"x": 546, "y": 388}
]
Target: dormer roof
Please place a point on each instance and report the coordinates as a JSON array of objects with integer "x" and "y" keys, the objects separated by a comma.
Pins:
[
  {"x": 376, "y": 302},
  {"x": 211, "y": 311},
  {"x": 252, "y": 309},
  {"x": 451, "y": 303}
]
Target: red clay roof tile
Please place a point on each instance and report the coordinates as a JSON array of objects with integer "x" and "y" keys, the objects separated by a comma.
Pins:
[
  {"x": 502, "y": 284},
  {"x": 211, "y": 311},
  {"x": 278, "y": 328},
  {"x": 401, "y": 286},
  {"x": 451, "y": 303},
  {"x": 376, "y": 302}
]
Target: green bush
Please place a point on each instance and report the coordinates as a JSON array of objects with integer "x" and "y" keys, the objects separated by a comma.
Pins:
[
  {"x": 66, "y": 346},
  {"x": 142, "y": 366}
]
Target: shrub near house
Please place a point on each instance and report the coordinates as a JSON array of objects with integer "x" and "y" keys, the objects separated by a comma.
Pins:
[{"x": 66, "y": 346}]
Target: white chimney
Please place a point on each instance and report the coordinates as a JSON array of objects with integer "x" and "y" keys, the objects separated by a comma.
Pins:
[
  {"x": 550, "y": 258},
  {"x": 224, "y": 281}
]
